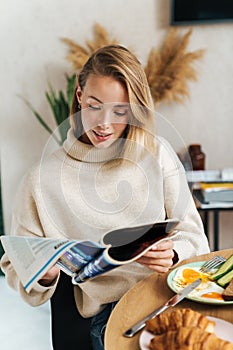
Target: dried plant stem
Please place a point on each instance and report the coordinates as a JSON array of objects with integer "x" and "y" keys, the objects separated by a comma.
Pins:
[
  {"x": 169, "y": 68},
  {"x": 78, "y": 54}
]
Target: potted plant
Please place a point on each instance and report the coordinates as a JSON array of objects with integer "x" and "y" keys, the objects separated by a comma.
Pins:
[{"x": 60, "y": 104}]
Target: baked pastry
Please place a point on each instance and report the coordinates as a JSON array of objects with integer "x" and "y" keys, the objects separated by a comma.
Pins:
[
  {"x": 179, "y": 318},
  {"x": 227, "y": 294},
  {"x": 189, "y": 338}
]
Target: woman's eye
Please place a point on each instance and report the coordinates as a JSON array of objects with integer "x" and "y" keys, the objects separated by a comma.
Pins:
[
  {"x": 94, "y": 107},
  {"x": 120, "y": 113}
]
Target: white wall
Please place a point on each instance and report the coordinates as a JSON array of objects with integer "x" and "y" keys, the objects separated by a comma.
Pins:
[{"x": 32, "y": 54}]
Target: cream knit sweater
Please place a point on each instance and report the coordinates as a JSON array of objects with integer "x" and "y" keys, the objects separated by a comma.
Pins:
[{"x": 81, "y": 192}]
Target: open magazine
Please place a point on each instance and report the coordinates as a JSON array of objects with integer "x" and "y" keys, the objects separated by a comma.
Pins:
[{"x": 32, "y": 257}]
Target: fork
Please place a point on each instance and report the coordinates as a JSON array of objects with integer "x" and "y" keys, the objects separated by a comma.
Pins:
[{"x": 212, "y": 263}]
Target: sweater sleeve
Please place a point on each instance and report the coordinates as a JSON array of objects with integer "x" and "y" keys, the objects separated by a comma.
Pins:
[
  {"x": 26, "y": 222},
  {"x": 190, "y": 239}
]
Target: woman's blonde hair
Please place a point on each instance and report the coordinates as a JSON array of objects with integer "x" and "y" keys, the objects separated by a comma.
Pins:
[{"x": 121, "y": 64}]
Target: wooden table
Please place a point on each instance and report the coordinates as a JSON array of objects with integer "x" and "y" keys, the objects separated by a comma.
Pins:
[{"x": 146, "y": 296}]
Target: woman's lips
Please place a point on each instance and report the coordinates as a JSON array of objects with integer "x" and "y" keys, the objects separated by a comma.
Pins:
[{"x": 101, "y": 136}]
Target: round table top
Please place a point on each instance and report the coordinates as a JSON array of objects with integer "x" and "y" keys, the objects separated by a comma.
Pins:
[{"x": 145, "y": 297}]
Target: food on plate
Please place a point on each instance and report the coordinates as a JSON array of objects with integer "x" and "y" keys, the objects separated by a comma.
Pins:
[
  {"x": 228, "y": 292},
  {"x": 225, "y": 279},
  {"x": 224, "y": 274},
  {"x": 178, "y": 318},
  {"x": 213, "y": 295},
  {"x": 189, "y": 338},
  {"x": 224, "y": 268},
  {"x": 184, "y": 329},
  {"x": 186, "y": 275},
  {"x": 212, "y": 286},
  {"x": 189, "y": 275}
]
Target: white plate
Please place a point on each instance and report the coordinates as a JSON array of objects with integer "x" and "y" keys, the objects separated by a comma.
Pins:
[
  {"x": 196, "y": 295},
  {"x": 223, "y": 330}
]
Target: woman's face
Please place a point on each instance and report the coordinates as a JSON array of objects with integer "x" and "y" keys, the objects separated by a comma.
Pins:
[{"x": 105, "y": 110}]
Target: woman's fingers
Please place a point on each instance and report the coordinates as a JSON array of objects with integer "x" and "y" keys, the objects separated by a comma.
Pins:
[
  {"x": 50, "y": 276},
  {"x": 160, "y": 257},
  {"x": 160, "y": 254},
  {"x": 165, "y": 245}
]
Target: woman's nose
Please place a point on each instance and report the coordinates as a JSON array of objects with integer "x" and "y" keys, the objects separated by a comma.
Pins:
[{"x": 105, "y": 118}]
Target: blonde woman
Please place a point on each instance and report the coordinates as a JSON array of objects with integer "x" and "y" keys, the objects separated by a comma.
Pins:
[{"x": 112, "y": 171}]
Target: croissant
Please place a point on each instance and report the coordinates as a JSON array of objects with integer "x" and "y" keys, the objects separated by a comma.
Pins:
[
  {"x": 178, "y": 318},
  {"x": 188, "y": 338}
]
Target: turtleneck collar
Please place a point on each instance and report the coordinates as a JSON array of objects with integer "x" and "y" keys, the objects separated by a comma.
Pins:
[{"x": 88, "y": 153}]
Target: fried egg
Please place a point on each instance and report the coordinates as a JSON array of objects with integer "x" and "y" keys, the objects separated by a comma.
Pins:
[
  {"x": 207, "y": 289},
  {"x": 213, "y": 295},
  {"x": 187, "y": 275}
]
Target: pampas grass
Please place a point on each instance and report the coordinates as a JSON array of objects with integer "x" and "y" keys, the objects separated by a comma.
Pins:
[
  {"x": 78, "y": 54},
  {"x": 170, "y": 68}
]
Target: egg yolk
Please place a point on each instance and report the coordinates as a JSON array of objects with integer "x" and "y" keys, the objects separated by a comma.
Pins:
[
  {"x": 213, "y": 295},
  {"x": 190, "y": 275}
]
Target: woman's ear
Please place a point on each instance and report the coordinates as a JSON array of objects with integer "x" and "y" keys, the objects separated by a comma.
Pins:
[{"x": 79, "y": 94}]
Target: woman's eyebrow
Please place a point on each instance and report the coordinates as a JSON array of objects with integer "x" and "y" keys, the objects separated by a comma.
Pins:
[
  {"x": 122, "y": 105},
  {"x": 118, "y": 105},
  {"x": 95, "y": 98}
]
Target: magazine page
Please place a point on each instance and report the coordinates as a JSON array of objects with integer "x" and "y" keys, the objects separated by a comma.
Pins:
[
  {"x": 32, "y": 257},
  {"x": 78, "y": 256},
  {"x": 126, "y": 245}
]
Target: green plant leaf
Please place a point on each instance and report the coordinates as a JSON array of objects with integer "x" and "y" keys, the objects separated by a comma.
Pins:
[
  {"x": 71, "y": 84},
  {"x": 60, "y": 107},
  {"x": 40, "y": 119}
]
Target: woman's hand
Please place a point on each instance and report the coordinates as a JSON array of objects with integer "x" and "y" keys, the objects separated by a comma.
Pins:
[
  {"x": 160, "y": 257},
  {"x": 50, "y": 276}
]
